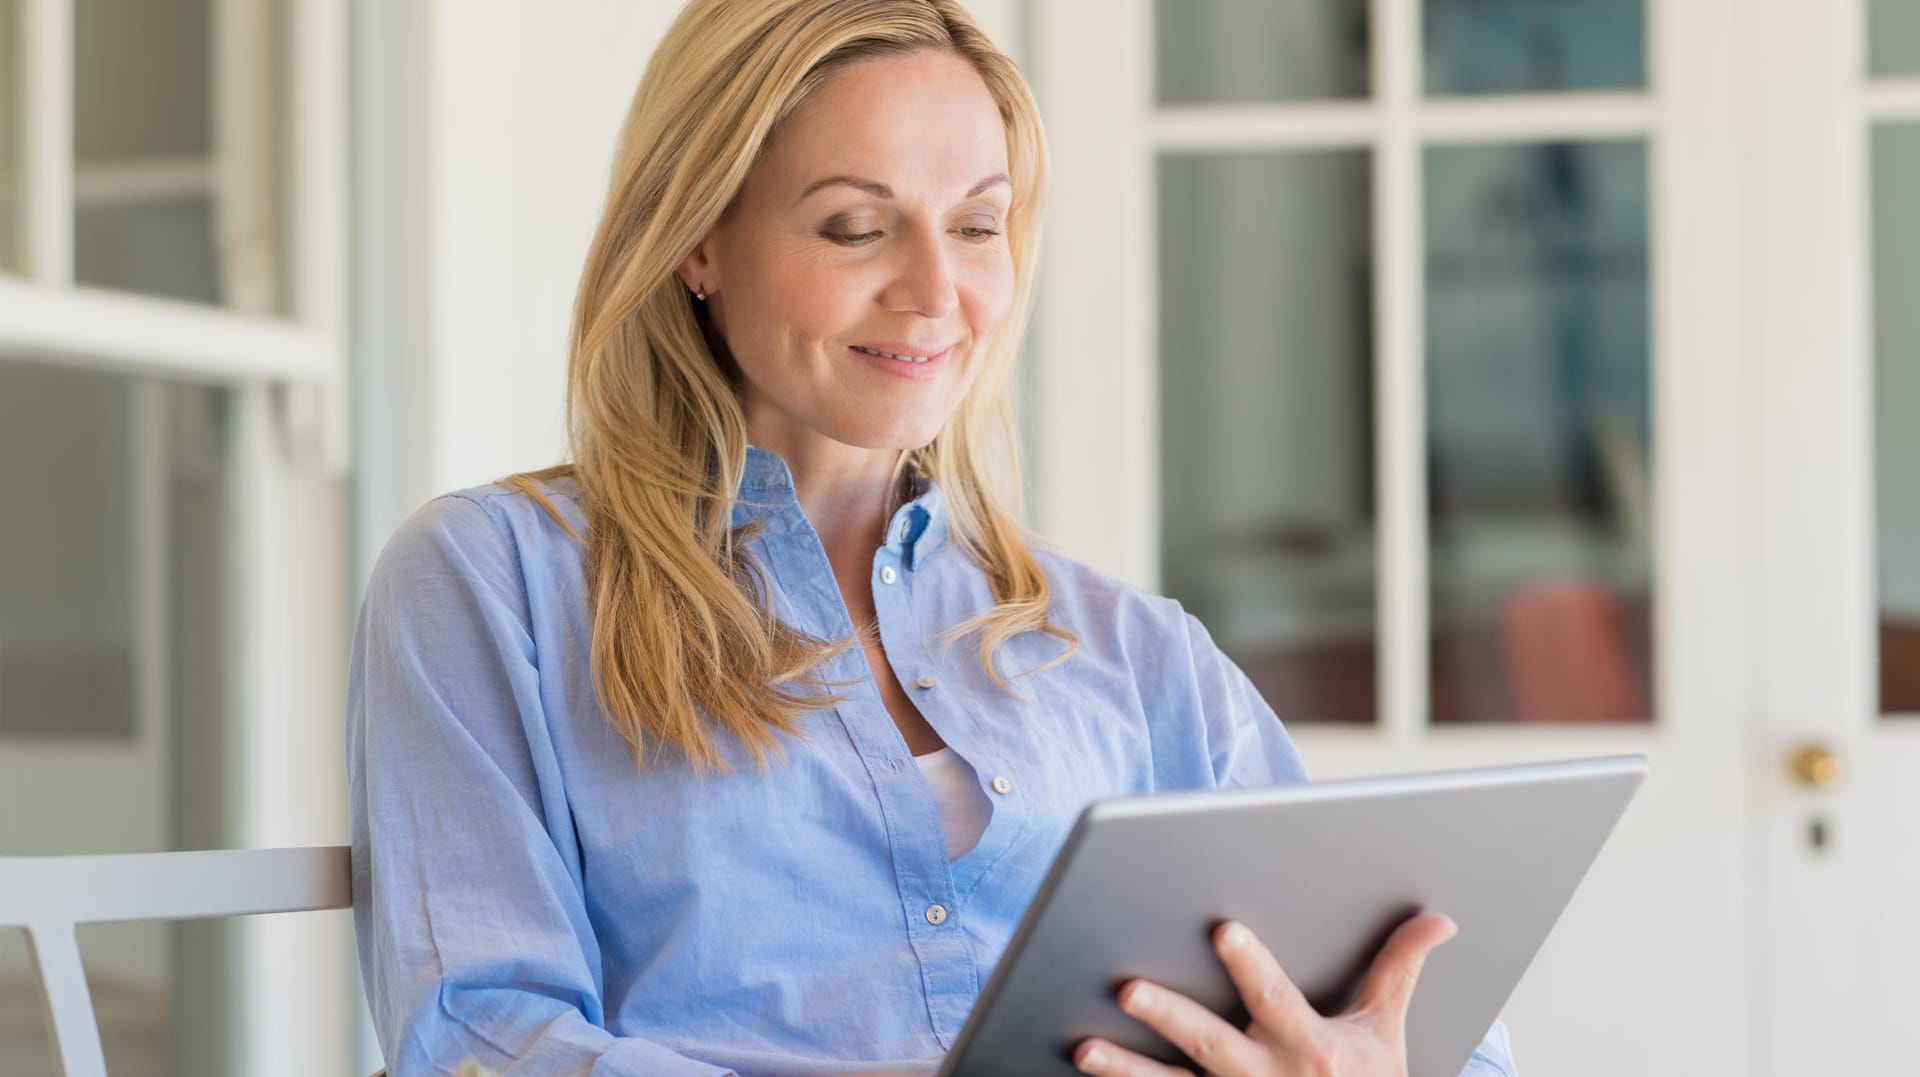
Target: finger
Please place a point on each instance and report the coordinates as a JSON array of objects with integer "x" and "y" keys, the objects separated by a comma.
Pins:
[
  {"x": 1215, "y": 1045},
  {"x": 1098, "y": 1056},
  {"x": 1271, "y": 998},
  {"x": 1388, "y": 989}
]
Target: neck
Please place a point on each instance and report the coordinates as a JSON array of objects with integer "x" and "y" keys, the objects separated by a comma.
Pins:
[{"x": 845, "y": 493}]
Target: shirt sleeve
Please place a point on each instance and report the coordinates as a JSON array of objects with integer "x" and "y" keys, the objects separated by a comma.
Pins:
[
  {"x": 1494, "y": 1056},
  {"x": 474, "y": 938},
  {"x": 1248, "y": 744}
]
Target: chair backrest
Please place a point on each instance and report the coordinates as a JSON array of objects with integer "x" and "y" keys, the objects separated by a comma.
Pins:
[{"x": 49, "y": 896}]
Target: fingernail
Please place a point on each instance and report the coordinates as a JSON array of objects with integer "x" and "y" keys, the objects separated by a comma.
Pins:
[
  {"x": 1094, "y": 1059},
  {"x": 1136, "y": 997},
  {"x": 1234, "y": 936}
]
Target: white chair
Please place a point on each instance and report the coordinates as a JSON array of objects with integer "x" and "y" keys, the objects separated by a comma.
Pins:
[{"x": 49, "y": 896}]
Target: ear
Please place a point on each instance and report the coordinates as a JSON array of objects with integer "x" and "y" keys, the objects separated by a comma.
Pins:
[{"x": 697, "y": 271}]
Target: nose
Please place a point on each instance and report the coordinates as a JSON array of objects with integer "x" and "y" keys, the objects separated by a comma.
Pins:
[{"x": 923, "y": 281}]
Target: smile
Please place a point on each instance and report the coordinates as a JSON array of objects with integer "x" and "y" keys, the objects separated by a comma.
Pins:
[{"x": 901, "y": 358}]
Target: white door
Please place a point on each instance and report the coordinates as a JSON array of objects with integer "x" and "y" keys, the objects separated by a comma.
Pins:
[
  {"x": 1838, "y": 517},
  {"x": 1404, "y": 342}
]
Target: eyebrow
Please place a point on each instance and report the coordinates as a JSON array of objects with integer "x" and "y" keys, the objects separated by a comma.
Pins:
[{"x": 881, "y": 190}]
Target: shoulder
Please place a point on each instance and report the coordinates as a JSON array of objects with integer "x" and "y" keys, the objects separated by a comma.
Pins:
[
  {"x": 1086, "y": 599},
  {"x": 495, "y": 532},
  {"x": 1205, "y": 721},
  {"x": 492, "y": 513}
]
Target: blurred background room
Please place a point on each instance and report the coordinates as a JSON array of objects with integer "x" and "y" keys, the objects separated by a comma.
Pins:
[{"x": 1499, "y": 380}]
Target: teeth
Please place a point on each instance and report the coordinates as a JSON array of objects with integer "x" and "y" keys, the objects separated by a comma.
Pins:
[{"x": 890, "y": 355}]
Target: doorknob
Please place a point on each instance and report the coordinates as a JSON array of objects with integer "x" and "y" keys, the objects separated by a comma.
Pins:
[{"x": 1815, "y": 766}]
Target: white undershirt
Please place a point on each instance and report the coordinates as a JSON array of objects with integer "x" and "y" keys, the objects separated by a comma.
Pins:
[{"x": 963, "y": 805}]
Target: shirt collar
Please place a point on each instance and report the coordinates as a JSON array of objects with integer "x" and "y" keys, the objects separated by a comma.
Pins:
[
  {"x": 765, "y": 478},
  {"x": 918, "y": 527},
  {"x": 765, "y": 493}
]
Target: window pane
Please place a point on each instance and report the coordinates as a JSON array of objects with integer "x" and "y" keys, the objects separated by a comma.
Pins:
[
  {"x": 1538, "y": 418},
  {"x": 1896, "y": 175},
  {"x": 157, "y": 245},
  {"x": 114, "y": 731},
  {"x": 1893, "y": 40},
  {"x": 1260, "y": 50},
  {"x": 10, "y": 95},
  {"x": 1528, "y": 46},
  {"x": 158, "y": 210},
  {"x": 1267, "y": 419},
  {"x": 66, "y": 572}
]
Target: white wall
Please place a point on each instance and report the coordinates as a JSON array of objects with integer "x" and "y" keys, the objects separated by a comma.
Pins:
[{"x": 525, "y": 104}]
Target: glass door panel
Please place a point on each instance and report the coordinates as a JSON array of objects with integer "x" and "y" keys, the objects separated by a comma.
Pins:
[
  {"x": 115, "y": 731},
  {"x": 1266, "y": 417},
  {"x": 177, "y": 166},
  {"x": 1240, "y": 51},
  {"x": 67, "y": 588},
  {"x": 1896, "y": 231},
  {"x": 1538, "y": 424},
  {"x": 1534, "y": 46},
  {"x": 1893, "y": 38}
]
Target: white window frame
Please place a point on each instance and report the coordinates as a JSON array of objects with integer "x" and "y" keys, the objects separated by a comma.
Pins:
[
  {"x": 293, "y": 1012},
  {"x": 1110, "y": 516}
]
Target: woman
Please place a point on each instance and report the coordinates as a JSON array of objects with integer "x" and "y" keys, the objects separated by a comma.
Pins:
[{"x": 740, "y": 743}]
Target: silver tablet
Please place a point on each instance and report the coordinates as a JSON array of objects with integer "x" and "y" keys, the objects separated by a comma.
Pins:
[{"x": 1322, "y": 873}]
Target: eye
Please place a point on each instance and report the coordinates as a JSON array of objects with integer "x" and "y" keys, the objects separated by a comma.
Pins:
[
  {"x": 859, "y": 239},
  {"x": 980, "y": 234}
]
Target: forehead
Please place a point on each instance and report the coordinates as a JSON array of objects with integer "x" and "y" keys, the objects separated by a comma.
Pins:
[{"x": 924, "y": 120}]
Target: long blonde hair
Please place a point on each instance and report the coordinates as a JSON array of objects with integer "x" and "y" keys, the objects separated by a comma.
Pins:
[{"x": 685, "y": 645}]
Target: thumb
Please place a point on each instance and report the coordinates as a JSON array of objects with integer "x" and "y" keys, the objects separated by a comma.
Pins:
[{"x": 1388, "y": 990}]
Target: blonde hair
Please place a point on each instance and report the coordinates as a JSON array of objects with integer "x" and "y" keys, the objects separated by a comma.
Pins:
[{"x": 685, "y": 645}]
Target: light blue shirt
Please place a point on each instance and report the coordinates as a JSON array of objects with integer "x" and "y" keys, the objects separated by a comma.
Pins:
[{"x": 525, "y": 896}]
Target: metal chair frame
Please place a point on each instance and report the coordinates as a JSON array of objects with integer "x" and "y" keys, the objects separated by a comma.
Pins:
[{"x": 50, "y": 896}]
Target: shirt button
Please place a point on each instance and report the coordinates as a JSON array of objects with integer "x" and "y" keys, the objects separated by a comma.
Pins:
[
  {"x": 926, "y": 680},
  {"x": 887, "y": 574},
  {"x": 1002, "y": 785},
  {"x": 936, "y": 915}
]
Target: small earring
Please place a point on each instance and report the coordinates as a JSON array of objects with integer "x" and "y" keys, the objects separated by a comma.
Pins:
[{"x": 700, "y": 294}]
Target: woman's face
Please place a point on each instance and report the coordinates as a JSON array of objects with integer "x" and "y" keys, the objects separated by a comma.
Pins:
[{"x": 864, "y": 266}]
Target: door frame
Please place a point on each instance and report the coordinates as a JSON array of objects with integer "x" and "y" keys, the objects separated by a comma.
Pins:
[{"x": 1835, "y": 922}]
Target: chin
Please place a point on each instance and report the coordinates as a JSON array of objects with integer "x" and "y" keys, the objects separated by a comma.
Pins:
[
  {"x": 901, "y": 436},
  {"x": 894, "y": 442}
]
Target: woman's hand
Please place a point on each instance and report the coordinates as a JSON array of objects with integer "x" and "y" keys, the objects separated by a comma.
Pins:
[{"x": 1287, "y": 1037}]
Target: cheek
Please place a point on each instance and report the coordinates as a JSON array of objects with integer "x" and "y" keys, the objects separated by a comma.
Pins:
[
  {"x": 791, "y": 305},
  {"x": 991, "y": 298},
  {"x": 816, "y": 299}
]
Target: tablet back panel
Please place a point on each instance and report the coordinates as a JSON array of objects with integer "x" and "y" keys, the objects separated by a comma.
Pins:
[{"x": 1322, "y": 873}]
